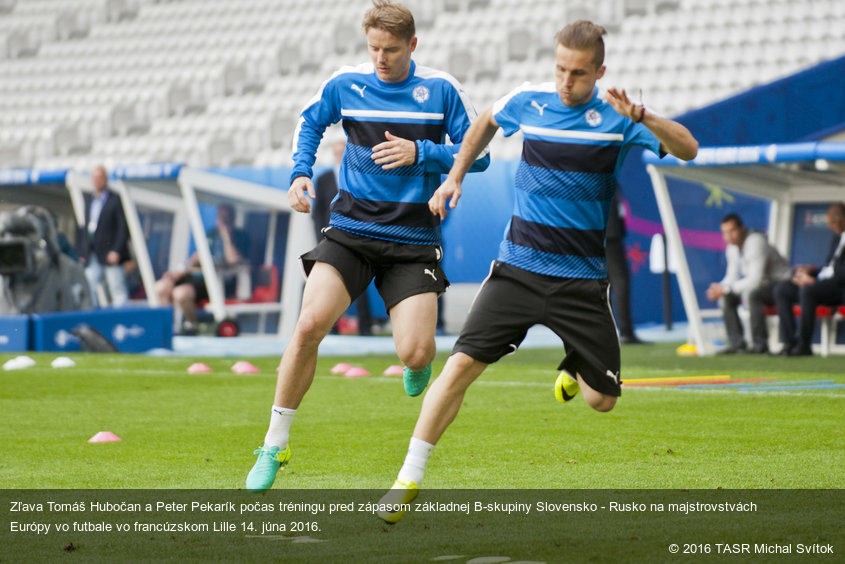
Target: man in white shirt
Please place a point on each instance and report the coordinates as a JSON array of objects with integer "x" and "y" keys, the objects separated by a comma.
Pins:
[
  {"x": 810, "y": 289},
  {"x": 754, "y": 268}
]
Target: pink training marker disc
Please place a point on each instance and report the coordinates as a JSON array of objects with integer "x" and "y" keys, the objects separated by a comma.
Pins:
[
  {"x": 357, "y": 372},
  {"x": 104, "y": 437},
  {"x": 394, "y": 370},
  {"x": 244, "y": 367},
  {"x": 341, "y": 368},
  {"x": 198, "y": 368}
]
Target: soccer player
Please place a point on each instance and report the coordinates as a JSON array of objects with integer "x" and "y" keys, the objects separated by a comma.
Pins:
[
  {"x": 551, "y": 267},
  {"x": 396, "y": 115}
]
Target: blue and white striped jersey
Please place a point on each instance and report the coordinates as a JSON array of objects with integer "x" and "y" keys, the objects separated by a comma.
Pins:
[
  {"x": 387, "y": 204},
  {"x": 565, "y": 179}
]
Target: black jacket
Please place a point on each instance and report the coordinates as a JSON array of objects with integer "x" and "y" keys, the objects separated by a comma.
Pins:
[
  {"x": 111, "y": 234},
  {"x": 839, "y": 264}
]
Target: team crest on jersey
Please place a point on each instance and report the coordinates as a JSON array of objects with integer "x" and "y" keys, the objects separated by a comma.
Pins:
[
  {"x": 421, "y": 94},
  {"x": 593, "y": 118}
]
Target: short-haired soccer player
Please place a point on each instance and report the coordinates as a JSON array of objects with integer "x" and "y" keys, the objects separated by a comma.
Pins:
[
  {"x": 396, "y": 115},
  {"x": 551, "y": 267}
]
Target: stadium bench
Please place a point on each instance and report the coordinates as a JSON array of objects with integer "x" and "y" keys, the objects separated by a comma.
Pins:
[
  {"x": 263, "y": 300},
  {"x": 829, "y": 318}
]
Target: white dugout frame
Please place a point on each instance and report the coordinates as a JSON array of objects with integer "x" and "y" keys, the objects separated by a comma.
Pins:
[
  {"x": 182, "y": 200},
  {"x": 784, "y": 174}
]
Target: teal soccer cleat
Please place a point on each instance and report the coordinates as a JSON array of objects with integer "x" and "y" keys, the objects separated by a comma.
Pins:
[
  {"x": 416, "y": 380},
  {"x": 263, "y": 474}
]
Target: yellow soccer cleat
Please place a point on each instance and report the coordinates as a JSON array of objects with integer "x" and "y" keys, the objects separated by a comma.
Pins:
[
  {"x": 393, "y": 505},
  {"x": 566, "y": 387}
]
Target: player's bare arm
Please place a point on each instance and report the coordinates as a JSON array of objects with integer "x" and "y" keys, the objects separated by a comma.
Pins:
[
  {"x": 674, "y": 138},
  {"x": 478, "y": 136},
  {"x": 395, "y": 152},
  {"x": 297, "y": 194}
]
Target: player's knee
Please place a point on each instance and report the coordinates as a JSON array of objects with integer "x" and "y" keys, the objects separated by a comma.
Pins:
[
  {"x": 164, "y": 291},
  {"x": 310, "y": 328},
  {"x": 183, "y": 294},
  {"x": 417, "y": 356},
  {"x": 462, "y": 370},
  {"x": 601, "y": 402}
]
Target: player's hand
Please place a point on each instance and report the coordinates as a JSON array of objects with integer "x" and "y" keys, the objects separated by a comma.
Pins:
[
  {"x": 624, "y": 106},
  {"x": 802, "y": 278},
  {"x": 297, "y": 194},
  {"x": 113, "y": 258},
  {"x": 715, "y": 291},
  {"x": 449, "y": 190},
  {"x": 394, "y": 152}
]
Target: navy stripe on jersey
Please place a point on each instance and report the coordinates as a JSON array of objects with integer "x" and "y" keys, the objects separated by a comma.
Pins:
[
  {"x": 399, "y": 213},
  {"x": 359, "y": 159},
  {"x": 564, "y": 185},
  {"x": 396, "y": 233},
  {"x": 575, "y": 157},
  {"x": 371, "y": 133},
  {"x": 550, "y": 264},
  {"x": 584, "y": 242}
]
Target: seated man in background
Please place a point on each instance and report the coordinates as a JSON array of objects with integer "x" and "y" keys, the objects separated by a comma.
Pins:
[
  {"x": 811, "y": 287},
  {"x": 229, "y": 247},
  {"x": 754, "y": 267}
]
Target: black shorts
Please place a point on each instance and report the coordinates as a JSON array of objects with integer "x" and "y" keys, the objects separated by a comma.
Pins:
[
  {"x": 200, "y": 291},
  {"x": 512, "y": 300},
  {"x": 400, "y": 271}
]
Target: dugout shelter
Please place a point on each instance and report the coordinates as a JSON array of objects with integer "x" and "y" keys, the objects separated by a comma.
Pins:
[
  {"x": 789, "y": 177},
  {"x": 181, "y": 194}
]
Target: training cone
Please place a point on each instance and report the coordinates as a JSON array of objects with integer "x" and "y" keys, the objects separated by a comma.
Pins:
[
  {"x": 687, "y": 350},
  {"x": 198, "y": 368},
  {"x": 393, "y": 370},
  {"x": 104, "y": 437},
  {"x": 62, "y": 362},
  {"x": 244, "y": 367},
  {"x": 357, "y": 372},
  {"x": 341, "y": 368},
  {"x": 18, "y": 362}
]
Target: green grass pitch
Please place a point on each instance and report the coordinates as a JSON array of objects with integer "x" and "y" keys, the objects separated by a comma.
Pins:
[
  {"x": 190, "y": 437},
  {"x": 198, "y": 431}
]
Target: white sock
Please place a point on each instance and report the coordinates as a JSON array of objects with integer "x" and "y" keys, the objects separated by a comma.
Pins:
[
  {"x": 279, "y": 431},
  {"x": 414, "y": 467}
]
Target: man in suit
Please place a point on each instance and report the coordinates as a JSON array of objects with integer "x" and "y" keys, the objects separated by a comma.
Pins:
[
  {"x": 811, "y": 287},
  {"x": 104, "y": 241},
  {"x": 326, "y": 191}
]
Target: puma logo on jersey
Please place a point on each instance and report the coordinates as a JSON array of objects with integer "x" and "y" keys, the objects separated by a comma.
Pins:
[
  {"x": 612, "y": 376},
  {"x": 430, "y": 273},
  {"x": 358, "y": 89},
  {"x": 540, "y": 108}
]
